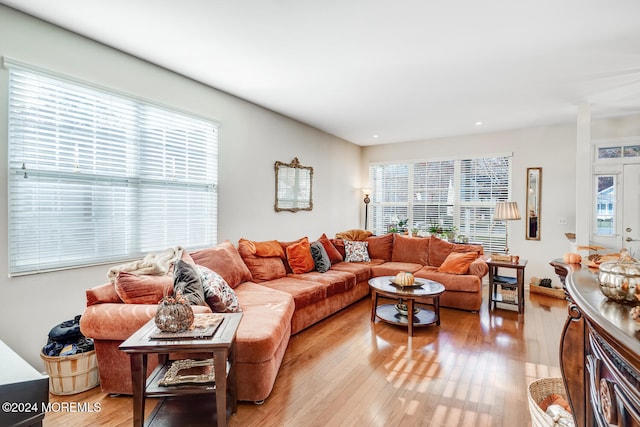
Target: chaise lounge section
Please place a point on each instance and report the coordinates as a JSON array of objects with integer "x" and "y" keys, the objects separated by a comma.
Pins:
[{"x": 280, "y": 294}]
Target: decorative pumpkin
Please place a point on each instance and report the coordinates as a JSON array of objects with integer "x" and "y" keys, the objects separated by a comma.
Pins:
[
  {"x": 404, "y": 279},
  {"x": 572, "y": 258},
  {"x": 174, "y": 314},
  {"x": 620, "y": 280}
]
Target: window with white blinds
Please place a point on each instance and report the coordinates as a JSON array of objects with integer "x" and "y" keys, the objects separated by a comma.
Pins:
[
  {"x": 459, "y": 193},
  {"x": 97, "y": 177}
]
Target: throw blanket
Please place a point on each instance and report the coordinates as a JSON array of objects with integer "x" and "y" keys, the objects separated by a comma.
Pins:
[{"x": 152, "y": 263}]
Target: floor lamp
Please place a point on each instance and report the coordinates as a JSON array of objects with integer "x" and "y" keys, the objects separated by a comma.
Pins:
[
  {"x": 366, "y": 192},
  {"x": 506, "y": 211}
]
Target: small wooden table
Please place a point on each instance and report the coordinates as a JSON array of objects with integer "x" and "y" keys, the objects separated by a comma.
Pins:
[
  {"x": 427, "y": 289},
  {"x": 507, "y": 281},
  {"x": 223, "y": 347}
]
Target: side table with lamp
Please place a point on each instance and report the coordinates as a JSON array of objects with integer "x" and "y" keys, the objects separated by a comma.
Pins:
[{"x": 511, "y": 287}]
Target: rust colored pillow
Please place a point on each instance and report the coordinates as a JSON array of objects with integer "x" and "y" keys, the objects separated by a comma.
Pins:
[
  {"x": 262, "y": 268},
  {"x": 225, "y": 260},
  {"x": 381, "y": 247},
  {"x": 334, "y": 255},
  {"x": 143, "y": 288},
  {"x": 457, "y": 262},
  {"x": 410, "y": 249},
  {"x": 554, "y": 399},
  {"x": 299, "y": 257},
  {"x": 267, "y": 248}
]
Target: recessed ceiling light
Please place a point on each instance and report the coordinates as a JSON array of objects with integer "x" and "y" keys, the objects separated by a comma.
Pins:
[
  {"x": 375, "y": 135},
  {"x": 478, "y": 123}
]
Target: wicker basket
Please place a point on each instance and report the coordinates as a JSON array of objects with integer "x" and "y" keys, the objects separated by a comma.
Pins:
[
  {"x": 509, "y": 293},
  {"x": 72, "y": 374},
  {"x": 550, "y": 292},
  {"x": 538, "y": 391}
]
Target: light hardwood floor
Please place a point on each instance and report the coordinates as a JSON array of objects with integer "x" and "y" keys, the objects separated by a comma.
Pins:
[{"x": 472, "y": 370}]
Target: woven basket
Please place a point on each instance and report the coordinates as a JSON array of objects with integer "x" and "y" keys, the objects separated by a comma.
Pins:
[
  {"x": 72, "y": 374},
  {"x": 538, "y": 391},
  {"x": 550, "y": 292}
]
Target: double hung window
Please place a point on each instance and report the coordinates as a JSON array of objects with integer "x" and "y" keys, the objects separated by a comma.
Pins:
[
  {"x": 97, "y": 177},
  {"x": 453, "y": 194}
]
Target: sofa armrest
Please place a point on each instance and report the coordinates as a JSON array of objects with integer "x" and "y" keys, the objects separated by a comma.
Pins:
[
  {"x": 111, "y": 321},
  {"x": 479, "y": 267}
]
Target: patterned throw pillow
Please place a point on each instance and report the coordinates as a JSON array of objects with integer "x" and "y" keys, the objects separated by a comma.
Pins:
[
  {"x": 320, "y": 257},
  {"x": 220, "y": 297},
  {"x": 356, "y": 251},
  {"x": 187, "y": 281}
]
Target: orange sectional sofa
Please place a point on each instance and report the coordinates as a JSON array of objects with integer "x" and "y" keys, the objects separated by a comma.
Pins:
[{"x": 278, "y": 300}]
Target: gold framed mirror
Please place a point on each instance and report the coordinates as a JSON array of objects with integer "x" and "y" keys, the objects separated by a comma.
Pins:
[
  {"x": 294, "y": 184},
  {"x": 534, "y": 191}
]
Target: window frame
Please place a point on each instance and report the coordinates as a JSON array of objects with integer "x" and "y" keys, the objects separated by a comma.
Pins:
[
  {"x": 112, "y": 170},
  {"x": 494, "y": 237}
]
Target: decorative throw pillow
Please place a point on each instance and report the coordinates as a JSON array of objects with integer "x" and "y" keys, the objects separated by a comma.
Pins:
[
  {"x": 187, "y": 281},
  {"x": 262, "y": 268},
  {"x": 458, "y": 262},
  {"x": 217, "y": 293},
  {"x": 299, "y": 257},
  {"x": 142, "y": 288},
  {"x": 356, "y": 251},
  {"x": 334, "y": 254},
  {"x": 320, "y": 257},
  {"x": 226, "y": 261}
]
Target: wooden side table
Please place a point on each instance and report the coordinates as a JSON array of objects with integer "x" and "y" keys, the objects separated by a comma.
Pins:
[
  {"x": 516, "y": 282},
  {"x": 222, "y": 345}
]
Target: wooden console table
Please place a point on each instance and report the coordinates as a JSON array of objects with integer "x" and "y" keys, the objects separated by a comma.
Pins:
[{"x": 599, "y": 353}]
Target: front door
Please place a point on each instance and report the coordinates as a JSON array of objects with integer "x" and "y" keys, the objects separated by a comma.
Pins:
[{"x": 631, "y": 210}]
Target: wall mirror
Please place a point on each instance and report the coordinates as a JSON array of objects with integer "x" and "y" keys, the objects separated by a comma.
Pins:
[
  {"x": 534, "y": 190},
  {"x": 293, "y": 186}
]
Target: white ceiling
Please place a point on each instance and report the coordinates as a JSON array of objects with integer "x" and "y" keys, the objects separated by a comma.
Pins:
[{"x": 403, "y": 70}]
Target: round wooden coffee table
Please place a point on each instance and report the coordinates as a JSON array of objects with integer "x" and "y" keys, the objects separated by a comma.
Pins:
[{"x": 422, "y": 289}]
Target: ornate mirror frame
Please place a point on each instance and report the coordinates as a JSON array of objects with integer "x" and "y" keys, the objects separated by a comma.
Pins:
[
  {"x": 293, "y": 186},
  {"x": 534, "y": 192}
]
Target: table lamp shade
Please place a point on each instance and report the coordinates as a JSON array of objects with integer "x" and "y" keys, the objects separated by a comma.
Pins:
[{"x": 506, "y": 211}]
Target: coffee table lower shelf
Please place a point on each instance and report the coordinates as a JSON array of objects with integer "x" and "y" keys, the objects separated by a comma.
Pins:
[{"x": 389, "y": 314}]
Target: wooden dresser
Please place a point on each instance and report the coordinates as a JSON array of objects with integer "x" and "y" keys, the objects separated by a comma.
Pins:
[{"x": 599, "y": 353}]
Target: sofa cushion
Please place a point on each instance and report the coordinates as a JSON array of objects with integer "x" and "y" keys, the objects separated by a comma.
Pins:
[
  {"x": 381, "y": 247},
  {"x": 320, "y": 258},
  {"x": 187, "y": 282},
  {"x": 304, "y": 292},
  {"x": 457, "y": 262},
  {"x": 392, "y": 268},
  {"x": 339, "y": 245},
  {"x": 217, "y": 293},
  {"x": 262, "y": 268},
  {"x": 451, "y": 282},
  {"x": 356, "y": 251},
  {"x": 225, "y": 260},
  {"x": 413, "y": 250},
  {"x": 266, "y": 320},
  {"x": 142, "y": 288},
  {"x": 439, "y": 250},
  {"x": 334, "y": 255},
  {"x": 299, "y": 257},
  {"x": 479, "y": 267},
  {"x": 334, "y": 281},
  {"x": 362, "y": 270}
]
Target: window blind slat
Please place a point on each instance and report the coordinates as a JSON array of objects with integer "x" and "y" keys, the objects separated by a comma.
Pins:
[{"x": 96, "y": 177}]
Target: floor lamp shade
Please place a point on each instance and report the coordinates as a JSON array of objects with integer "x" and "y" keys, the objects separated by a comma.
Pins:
[{"x": 506, "y": 211}]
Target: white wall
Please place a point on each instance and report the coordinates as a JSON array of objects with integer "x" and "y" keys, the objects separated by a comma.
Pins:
[
  {"x": 251, "y": 140},
  {"x": 552, "y": 148}
]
